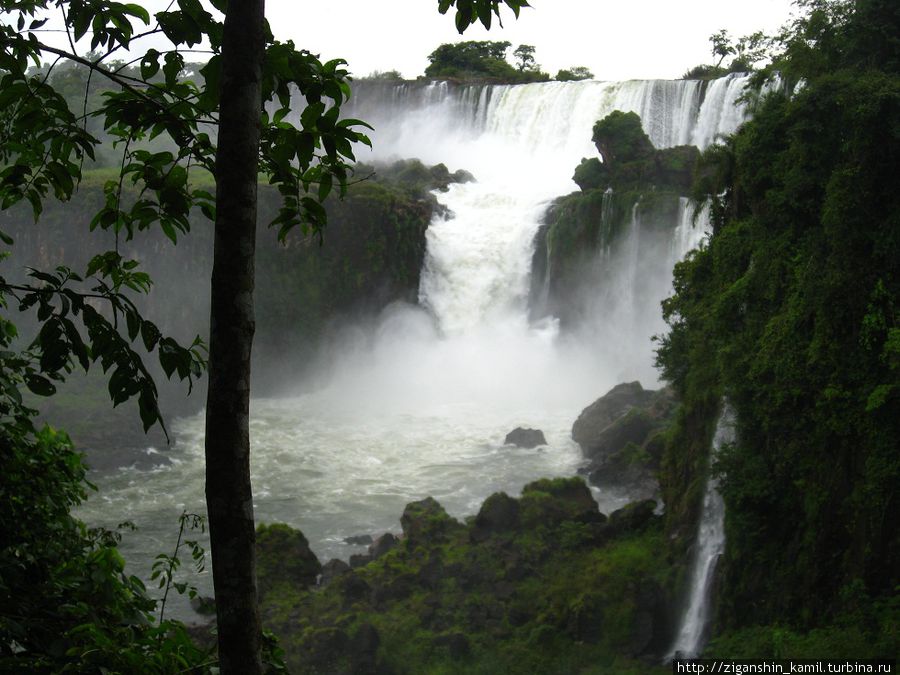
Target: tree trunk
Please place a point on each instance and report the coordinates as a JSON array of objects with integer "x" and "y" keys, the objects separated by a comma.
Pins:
[{"x": 229, "y": 496}]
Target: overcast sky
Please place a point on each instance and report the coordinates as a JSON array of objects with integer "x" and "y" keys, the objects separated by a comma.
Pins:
[{"x": 616, "y": 39}]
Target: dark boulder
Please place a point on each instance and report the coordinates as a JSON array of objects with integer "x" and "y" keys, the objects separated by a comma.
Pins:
[
  {"x": 525, "y": 438},
  {"x": 359, "y": 540},
  {"x": 331, "y": 570},
  {"x": 597, "y": 417},
  {"x": 622, "y": 434},
  {"x": 204, "y": 605},
  {"x": 499, "y": 513},
  {"x": 382, "y": 545}
]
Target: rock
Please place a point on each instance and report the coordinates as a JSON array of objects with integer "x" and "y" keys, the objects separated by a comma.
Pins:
[
  {"x": 622, "y": 434},
  {"x": 462, "y": 176},
  {"x": 283, "y": 555},
  {"x": 204, "y": 605},
  {"x": 632, "y": 427},
  {"x": 597, "y": 417},
  {"x": 547, "y": 502},
  {"x": 632, "y": 468},
  {"x": 499, "y": 513},
  {"x": 426, "y": 520},
  {"x": 332, "y": 570},
  {"x": 382, "y": 545},
  {"x": 359, "y": 540},
  {"x": 525, "y": 438}
]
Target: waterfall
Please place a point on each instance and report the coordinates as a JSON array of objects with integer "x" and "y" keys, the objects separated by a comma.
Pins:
[
  {"x": 418, "y": 402},
  {"x": 709, "y": 546},
  {"x": 522, "y": 142}
]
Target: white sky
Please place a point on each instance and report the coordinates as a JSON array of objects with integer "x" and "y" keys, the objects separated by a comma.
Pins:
[{"x": 616, "y": 39}]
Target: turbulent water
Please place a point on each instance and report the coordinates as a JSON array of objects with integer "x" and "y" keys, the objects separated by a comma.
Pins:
[
  {"x": 710, "y": 545},
  {"x": 419, "y": 404}
]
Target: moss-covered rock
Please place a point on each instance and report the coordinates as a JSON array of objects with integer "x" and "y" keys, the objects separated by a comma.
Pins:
[
  {"x": 425, "y": 521},
  {"x": 283, "y": 554},
  {"x": 632, "y": 184}
]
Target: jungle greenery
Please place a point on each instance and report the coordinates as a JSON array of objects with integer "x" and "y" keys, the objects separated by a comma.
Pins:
[
  {"x": 745, "y": 53},
  {"x": 484, "y": 61},
  {"x": 791, "y": 314},
  {"x": 574, "y": 74},
  {"x": 539, "y": 584}
]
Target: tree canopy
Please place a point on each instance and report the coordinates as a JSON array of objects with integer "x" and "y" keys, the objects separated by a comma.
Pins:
[{"x": 484, "y": 60}]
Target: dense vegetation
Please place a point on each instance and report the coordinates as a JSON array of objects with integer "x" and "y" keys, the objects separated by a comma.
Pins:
[
  {"x": 484, "y": 61},
  {"x": 791, "y": 313},
  {"x": 540, "y": 584}
]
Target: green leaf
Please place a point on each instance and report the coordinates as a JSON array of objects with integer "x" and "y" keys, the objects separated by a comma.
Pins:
[
  {"x": 149, "y": 64},
  {"x": 138, "y": 12},
  {"x": 40, "y": 385}
]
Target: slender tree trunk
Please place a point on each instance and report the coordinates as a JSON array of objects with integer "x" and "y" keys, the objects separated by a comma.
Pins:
[{"x": 229, "y": 496}]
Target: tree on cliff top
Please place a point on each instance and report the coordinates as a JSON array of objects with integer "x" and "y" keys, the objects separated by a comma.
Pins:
[
  {"x": 484, "y": 60},
  {"x": 43, "y": 150}
]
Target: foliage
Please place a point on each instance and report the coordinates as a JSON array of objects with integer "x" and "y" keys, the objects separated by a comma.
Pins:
[
  {"x": 482, "y": 60},
  {"x": 524, "y": 55},
  {"x": 619, "y": 137},
  {"x": 66, "y": 603},
  {"x": 469, "y": 12},
  {"x": 791, "y": 313},
  {"x": 574, "y": 74},
  {"x": 387, "y": 75},
  {"x": 747, "y": 51},
  {"x": 559, "y": 590}
]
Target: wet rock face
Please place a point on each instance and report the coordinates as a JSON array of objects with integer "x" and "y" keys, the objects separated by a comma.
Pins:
[
  {"x": 525, "y": 438},
  {"x": 588, "y": 430},
  {"x": 622, "y": 434}
]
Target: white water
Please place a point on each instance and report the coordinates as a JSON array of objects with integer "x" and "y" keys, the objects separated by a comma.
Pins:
[
  {"x": 419, "y": 404},
  {"x": 710, "y": 545}
]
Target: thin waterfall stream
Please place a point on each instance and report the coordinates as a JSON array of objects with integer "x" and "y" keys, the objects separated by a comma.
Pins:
[{"x": 710, "y": 545}]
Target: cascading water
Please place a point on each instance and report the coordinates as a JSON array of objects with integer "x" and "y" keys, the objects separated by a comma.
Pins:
[
  {"x": 419, "y": 404},
  {"x": 710, "y": 545}
]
